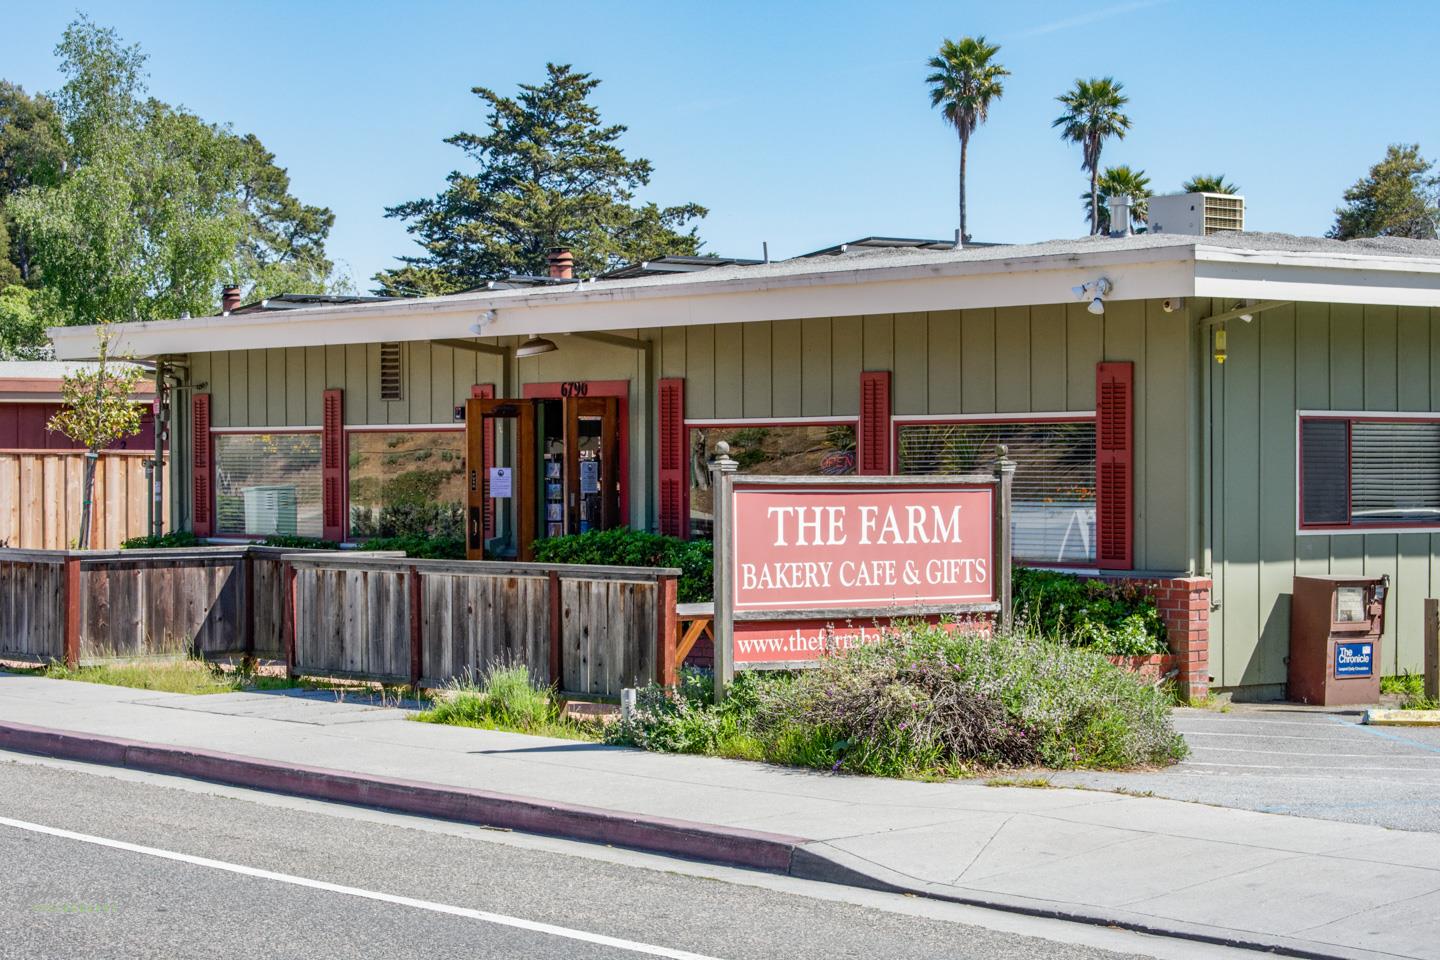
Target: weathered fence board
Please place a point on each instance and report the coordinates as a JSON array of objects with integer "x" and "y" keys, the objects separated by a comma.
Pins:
[
  {"x": 160, "y": 606},
  {"x": 40, "y": 498},
  {"x": 470, "y": 624},
  {"x": 609, "y": 634},
  {"x": 32, "y": 610},
  {"x": 352, "y": 622}
]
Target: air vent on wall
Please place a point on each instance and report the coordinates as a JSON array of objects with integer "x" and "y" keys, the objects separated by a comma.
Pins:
[{"x": 392, "y": 384}]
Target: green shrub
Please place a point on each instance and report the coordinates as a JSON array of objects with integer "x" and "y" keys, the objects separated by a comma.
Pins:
[
  {"x": 624, "y": 547},
  {"x": 1113, "y": 617},
  {"x": 924, "y": 702},
  {"x": 420, "y": 548},
  {"x": 176, "y": 540},
  {"x": 506, "y": 699},
  {"x": 299, "y": 543}
]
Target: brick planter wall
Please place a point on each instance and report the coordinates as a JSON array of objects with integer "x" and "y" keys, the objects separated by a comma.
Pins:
[{"x": 1184, "y": 604}]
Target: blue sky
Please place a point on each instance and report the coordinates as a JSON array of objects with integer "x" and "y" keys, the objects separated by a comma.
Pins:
[{"x": 800, "y": 124}]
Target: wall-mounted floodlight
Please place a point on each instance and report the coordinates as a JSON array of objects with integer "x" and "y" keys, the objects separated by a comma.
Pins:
[
  {"x": 486, "y": 318},
  {"x": 1097, "y": 290}
]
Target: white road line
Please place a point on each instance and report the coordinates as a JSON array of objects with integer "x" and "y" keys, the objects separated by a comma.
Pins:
[
  {"x": 1264, "y": 766},
  {"x": 495, "y": 918},
  {"x": 1270, "y": 736},
  {"x": 1317, "y": 756}
]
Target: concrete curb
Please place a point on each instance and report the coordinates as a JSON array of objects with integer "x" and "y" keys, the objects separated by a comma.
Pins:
[
  {"x": 727, "y": 845},
  {"x": 771, "y": 852},
  {"x": 1402, "y": 718}
]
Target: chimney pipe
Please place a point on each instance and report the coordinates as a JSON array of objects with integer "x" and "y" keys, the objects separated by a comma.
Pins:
[
  {"x": 1120, "y": 215},
  {"x": 229, "y": 299},
  {"x": 562, "y": 264}
]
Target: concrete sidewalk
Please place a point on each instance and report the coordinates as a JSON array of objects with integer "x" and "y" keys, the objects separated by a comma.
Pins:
[{"x": 1301, "y": 886}]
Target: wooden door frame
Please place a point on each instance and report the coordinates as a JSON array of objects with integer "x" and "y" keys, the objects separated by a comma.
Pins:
[
  {"x": 607, "y": 409},
  {"x": 618, "y": 389},
  {"x": 477, "y": 413}
]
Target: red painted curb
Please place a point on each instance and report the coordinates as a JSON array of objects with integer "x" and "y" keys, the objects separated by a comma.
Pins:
[{"x": 727, "y": 845}]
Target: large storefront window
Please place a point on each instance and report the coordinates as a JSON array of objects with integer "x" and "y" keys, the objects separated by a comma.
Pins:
[
  {"x": 406, "y": 483},
  {"x": 268, "y": 484},
  {"x": 1054, "y": 494},
  {"x": 778, "y": 450}
]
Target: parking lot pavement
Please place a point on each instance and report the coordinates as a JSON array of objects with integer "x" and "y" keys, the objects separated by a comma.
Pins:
[{"x": 1302, "y": 761}]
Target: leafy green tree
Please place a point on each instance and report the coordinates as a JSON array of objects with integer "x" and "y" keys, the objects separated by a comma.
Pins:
[
  {"x": 283, "y": 250},
  {"x": 1115, "y": 182},
  {"x": 99, "y": 409},
  {"x": 22, "y": 324},
  {"x": 32, "y": 152},
  {"x": 1208, "y": 183},
  {"x": 550, "y": 174},
  {"x": 964, "y": 83},
  {"x": 156, "y": 209},
  {"x": 1093, "y": 114},
  {"x": 1400, "y": 197}
]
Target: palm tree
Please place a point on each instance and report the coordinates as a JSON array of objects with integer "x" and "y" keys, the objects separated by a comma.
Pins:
[
  {"x": 963, "y": 85},
  {"x": 1208, "y": 183},
  {"x": 1115, "y": 182},
  {"x": 1092, "y": 113}
]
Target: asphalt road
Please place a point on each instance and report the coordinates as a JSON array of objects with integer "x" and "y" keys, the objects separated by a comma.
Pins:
[
  {"x": 295, "y": 878},
  {"x": 1282, "y": 758}
]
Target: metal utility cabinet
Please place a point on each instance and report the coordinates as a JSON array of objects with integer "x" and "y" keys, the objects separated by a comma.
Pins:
[{"x": 1335, "y": 628}]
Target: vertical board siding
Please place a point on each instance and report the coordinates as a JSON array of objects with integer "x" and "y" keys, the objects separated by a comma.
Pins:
[
  {"x": 159, "y": 608},
  {"x": 1309, "y": 356}
]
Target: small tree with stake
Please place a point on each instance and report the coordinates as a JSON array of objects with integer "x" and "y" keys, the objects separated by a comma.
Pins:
[{"x": 99, "y": 409}]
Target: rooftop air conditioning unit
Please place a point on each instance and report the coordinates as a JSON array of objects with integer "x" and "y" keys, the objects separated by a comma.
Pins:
[
  {"x": 270, "y": 511},
  {"x": 1197, "y": 214}
]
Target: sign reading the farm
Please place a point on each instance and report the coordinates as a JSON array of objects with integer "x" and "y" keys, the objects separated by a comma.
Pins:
[{"x": 853, "y": 547}]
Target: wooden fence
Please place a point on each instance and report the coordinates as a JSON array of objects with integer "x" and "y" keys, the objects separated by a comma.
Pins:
[
  {"x": 40, "y": 498},
  {"x": 588, "y": 630}
]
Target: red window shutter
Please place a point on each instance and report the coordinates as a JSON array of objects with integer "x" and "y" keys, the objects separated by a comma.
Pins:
[
  {"x": 332, "y": 463},
  {"x": 486, "y": 391},
  {"x": 874, "y": 439},
  {"x": 202, "y": 464},
  {"x": 674, "y": 459},
  {"x": 1114, "y": 465}
]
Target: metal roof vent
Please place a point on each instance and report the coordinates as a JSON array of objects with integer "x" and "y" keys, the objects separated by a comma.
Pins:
[{"x": 392, "y": 383}]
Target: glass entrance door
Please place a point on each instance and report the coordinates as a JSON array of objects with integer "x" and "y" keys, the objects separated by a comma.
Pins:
[{"x": 592, "y": 467}]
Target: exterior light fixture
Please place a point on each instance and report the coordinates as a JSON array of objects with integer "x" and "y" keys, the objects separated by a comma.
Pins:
[
  {"x": 1096, "y": 290},
  {"x": 534, "y": 346},
  {"x": 486, "y": 318}
]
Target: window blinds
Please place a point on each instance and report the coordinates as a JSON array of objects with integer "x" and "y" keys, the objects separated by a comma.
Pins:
[
  {"x": 1054, "y": 493},
  {"x": 268, "y": 484}
]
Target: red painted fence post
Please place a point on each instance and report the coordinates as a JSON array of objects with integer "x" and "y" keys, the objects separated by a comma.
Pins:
[
  {"x": 666, "y": 632},
  {"x": 72, "y": 612},
  {"x": 557, "y": 633},
  {"x": 289, "y": 619},
  {"x": 417, "y": 637}
]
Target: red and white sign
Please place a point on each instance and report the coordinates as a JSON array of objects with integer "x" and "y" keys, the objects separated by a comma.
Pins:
[
  {"x": 862, "y": 547},
  {"x": 805, "y": 641}
]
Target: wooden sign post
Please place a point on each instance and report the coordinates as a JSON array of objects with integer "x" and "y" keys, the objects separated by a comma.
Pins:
[{"x": 805, "y": 566}]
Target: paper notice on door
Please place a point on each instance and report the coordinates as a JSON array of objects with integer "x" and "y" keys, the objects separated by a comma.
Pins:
[
  {"x": 589, "y": 476},
  {"x": 500, "y": 482}
]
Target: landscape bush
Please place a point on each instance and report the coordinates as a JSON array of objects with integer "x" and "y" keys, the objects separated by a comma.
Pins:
[
  {"x": 176, "y": 540},
  {"x": 624, "y": 547},
  {"x": 1114, "y": 617},
  {"x": 421, "y": 548},
  {"x": 298, "y": 543},
  {"x": 926, "y": 701},
  {"x": 505, "y": 698}
]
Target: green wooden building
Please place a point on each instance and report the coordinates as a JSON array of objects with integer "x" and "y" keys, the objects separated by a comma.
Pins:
[{"x": 1219, "y": 412}]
